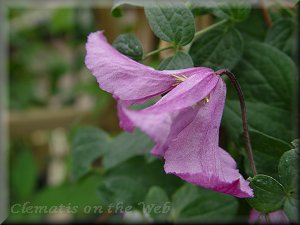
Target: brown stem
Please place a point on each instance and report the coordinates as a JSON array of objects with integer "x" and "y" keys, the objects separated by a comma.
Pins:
[
  {"x": 267, "y": 18},
  {"x": 238, "y": 89}
]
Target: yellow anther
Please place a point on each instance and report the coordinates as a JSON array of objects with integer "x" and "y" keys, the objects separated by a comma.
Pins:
[
  {"x": 206, "y": 100},
  {"x": 201, "y": 103},
  {"x": 179, "y": 79}
]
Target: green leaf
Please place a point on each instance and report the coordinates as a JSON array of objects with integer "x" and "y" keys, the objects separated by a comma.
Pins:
[
  {"x": 74, "y": 198},
  {"x": 157, "y": 203},
  {"x": 288, "y": 175},
  {"x": 267, "y": 151},
  {"x": 287, "y": 169},
  {"x": 133, "y": 178},
  {"x": 180, "y": 60},
  {"x": 267, "y": 78},
  {"x": 260, "y": 116},
  {"x": 191, "y": 203},
  {"x": 218, "y": 48},
  {"x": 125, "y": 146},
  {"x": 236, "y": 11},
  {"x": 123, "y": 189},
  {"x": 23, "y": 175},
  {"x": 290, "y": 208},
  {"x": 282, "y": 35},
  {"x": 171, "y": 21},
  {"x": 267, "y": 75},
  {"x": 182, "y": 197},
  {"x": 86, "y": 146},
  {"x": 269, "y": 194},
  {"x": 253, "y": 28},
  {"x": 129, "y": 45}
]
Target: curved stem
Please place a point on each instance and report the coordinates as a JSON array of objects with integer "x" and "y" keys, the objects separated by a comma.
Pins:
[
  {"x": 238, "y": 89},
  {"x": 199, "y": 33},
  {"x": 157, "y": 51}
]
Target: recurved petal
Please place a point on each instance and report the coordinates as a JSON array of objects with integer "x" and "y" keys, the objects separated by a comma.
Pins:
[
  {"x": 196, "y": 157},
  {"x": 125, "y": 78}
]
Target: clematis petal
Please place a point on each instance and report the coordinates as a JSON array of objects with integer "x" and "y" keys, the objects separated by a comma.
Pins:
[
  {"x": 125, "y": 78},
  {"x": 196, "y": 157},
  {"x": 125, "y": 123},
  {"x": 161, "y": 127},
  {"x": 276, "y": 217}
]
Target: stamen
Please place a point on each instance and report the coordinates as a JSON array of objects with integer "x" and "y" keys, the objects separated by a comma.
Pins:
[
  {"x": 202, "y": 102},
  {"x": 179, "y": 79}
]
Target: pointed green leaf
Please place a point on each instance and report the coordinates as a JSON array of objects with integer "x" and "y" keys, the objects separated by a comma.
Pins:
[
  {"x": 171, "y": 21},
  {"x": 269, "y": 194}
]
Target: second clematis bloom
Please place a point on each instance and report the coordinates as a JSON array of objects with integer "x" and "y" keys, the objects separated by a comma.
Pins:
[{"x": 184, "y": 123}]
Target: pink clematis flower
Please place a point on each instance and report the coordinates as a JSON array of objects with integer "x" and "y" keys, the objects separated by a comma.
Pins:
[
  {"x": 276, "y": 217},
  {"x": 184, "y": 123}
]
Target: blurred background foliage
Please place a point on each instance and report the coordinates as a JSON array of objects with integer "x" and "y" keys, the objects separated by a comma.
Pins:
[{"x": 66, "y": 147}]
